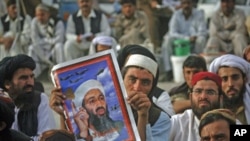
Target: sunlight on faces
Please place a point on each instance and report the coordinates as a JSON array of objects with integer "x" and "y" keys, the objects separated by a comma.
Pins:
[
  {"x": 94, "y": 102},
  {"x": 128, "y": 10},
  {"x": 204, "y": 102},
  {"x": 217, "y": 130},
  {"x": 188, "y": 74},
  {"x": 232, "y": 81},
  {"x": 138, "y": 79}
]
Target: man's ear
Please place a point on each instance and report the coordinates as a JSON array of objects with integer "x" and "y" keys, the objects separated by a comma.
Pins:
[
  {"x": 7, "y": 84},
  {"x": 2, "y": 125}
]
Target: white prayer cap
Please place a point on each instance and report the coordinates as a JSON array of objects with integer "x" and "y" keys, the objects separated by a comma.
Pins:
[
  {"x": 231, "y": 61},
  {"x": 102, "y": 40},
  {"x": 84, "y": 88},
  {"x": 144, "y": 62}
]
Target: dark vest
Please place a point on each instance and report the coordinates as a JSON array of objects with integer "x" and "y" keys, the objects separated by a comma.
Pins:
[
  {"x": 95, "y": 23},
  {"x": 6, "y": 25}
]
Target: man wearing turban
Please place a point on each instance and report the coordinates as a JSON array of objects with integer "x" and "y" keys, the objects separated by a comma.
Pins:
[
  {"x": 235, "y": 74},
  {"x": 32, "y": 113}
]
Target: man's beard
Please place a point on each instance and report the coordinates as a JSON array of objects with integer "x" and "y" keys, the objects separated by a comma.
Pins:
[
  {"x": 24, "y": 100},
  {"x": 15, "y": 93},
  {"x": 101, "y": 123},
  {"x": 234, "y": 101},
  {"x": 200, "y": 111}
]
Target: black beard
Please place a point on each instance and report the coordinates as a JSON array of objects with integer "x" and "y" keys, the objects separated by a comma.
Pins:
[
  {"x": 101, "y": 123},
  {"x": 233, "y": 102},
  {"x": 198, "y": 112},
  {"x": 24, "y": 100}
]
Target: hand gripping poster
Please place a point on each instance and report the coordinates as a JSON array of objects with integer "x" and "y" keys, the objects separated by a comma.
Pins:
[{"x": 95, "y": 105}]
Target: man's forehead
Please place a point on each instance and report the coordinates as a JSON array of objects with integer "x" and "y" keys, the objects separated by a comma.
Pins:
[{"x": 228, "y": 70}]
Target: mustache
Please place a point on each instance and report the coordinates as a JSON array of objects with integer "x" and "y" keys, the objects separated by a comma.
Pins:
[
  {"x": 99, "y": 108},
  {"x": 28, "y": 86},
  {"x": 203, "y": 100},
  {"x": 232, "y": 89}
]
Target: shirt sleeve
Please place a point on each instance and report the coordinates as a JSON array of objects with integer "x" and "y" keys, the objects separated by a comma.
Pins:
[
  {"x": 25, "y": 35},
  {"x": 70, "y": 30},
  {"x": 160, "y": 130},
  {"x": 46, "y": 120}
]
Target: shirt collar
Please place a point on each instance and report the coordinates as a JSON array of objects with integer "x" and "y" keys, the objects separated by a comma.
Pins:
[
  {"x": 91, "y": 14},
  {"x": 7, "y": 19}
]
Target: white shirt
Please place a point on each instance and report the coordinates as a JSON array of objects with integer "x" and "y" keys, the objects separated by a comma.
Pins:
[
  {"x": 184, "y": 127},
  {"x": 45, "y": 116}
]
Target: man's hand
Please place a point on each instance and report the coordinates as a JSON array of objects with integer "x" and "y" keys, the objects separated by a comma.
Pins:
[
  {"x": 7, "y": 41},
  {"x": 140, "y": 102},
  {"x": 81, "y": 118},
  {"x": 57, "y": 100}
]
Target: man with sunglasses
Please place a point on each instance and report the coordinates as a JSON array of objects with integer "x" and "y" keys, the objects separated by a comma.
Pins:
[{"x": 205, "y": 95}]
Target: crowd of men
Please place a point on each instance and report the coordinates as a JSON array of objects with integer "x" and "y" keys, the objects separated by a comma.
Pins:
[{"x": 202, "y": 108}]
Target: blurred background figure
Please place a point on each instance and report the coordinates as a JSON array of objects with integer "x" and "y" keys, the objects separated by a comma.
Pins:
[
  {"x": 246, "y": 53},
  {"x": 101, "y": 43},
  {"x": 14, "y": 31},
  {"x": 47, "y": 34}
]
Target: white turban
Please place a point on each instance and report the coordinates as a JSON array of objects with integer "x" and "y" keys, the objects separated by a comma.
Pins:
[
  {"x": 84, "y": 88},
  {"x": 231, "y": 61},
  {"x": 103, "y": 40},
  {"x": 144, "y": 62}
]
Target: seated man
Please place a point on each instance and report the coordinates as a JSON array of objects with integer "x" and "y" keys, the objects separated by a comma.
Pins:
[
  {"x": 82, "y": 27},
  {"x": 215, "y": 125},
  {"x": 234, "y": 71},
  {"x": 32, "y": 112},
  {"x": 131, "y": 25},
  {"x": 227, "y": 31},
  {"x": 47, "y": 35},
  {"x": 205, "y": 95},
  {"x": 189, "y": 24},
  {"x": 14, "y": 35},
  {"x": 179, "y": 94}
]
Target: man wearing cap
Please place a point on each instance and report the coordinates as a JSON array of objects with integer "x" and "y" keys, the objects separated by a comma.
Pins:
[
  {"x": 92, "y": 118},
  {"x": 32, "y": 112},
  {"x": 158, "y": 96},
  {"x": 14, "y": 31},
  {"x": 47, "y": 35},
  {"x": 205, "y": 95},
  {"x": 101, "y": 43},
  {"x": 215, "y": 125},
  {"x": 235, "y": 74},
  {"x": 139, "y": 73}
]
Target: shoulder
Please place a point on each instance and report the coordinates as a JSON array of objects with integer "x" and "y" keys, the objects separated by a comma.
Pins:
[{"x": 186, "y": 115}]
